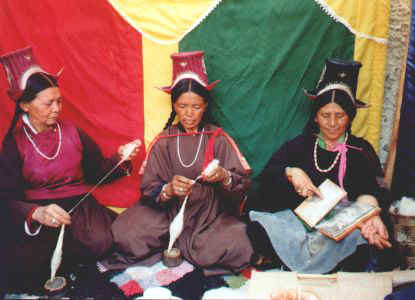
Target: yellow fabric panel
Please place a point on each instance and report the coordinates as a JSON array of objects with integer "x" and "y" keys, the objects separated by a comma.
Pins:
[
  {"x": 369, "y": 20},
  {"x": 157, "y": 70},
  {"x": 118, "y": 210},
  {"x": 164, "y": 21},
  {"x": 372, "y": 75},
  {"x": 370, "y": 89},
  {"x": 362, "y": 17}
]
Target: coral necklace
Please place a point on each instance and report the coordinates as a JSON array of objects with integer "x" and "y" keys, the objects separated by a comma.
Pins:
[{"x": 335, "y": 160}]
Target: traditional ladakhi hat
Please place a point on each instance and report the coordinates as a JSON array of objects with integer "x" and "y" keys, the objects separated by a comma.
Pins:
[
  {"x": 339, "y": 74},
  {"x": 19, "y": 65},
  {"x": 189, "y": 65}
]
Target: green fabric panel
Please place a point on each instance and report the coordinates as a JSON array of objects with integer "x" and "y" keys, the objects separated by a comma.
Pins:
[{"x": 265, "y": 53}]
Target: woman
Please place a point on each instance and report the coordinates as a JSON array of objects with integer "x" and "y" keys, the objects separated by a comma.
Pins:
[
  {"x": 327, "y": 149},
  {"x": 47, "y": 166},
  {"x": 213, "y": 237}
]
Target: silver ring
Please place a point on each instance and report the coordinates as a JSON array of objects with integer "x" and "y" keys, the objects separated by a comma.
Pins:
[
  {"x": 181, "y": 189},
  {"x": 53, "y": 221}
]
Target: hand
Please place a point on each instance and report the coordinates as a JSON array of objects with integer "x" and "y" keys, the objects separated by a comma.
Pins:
[
  {"x": 218, "y": 175},
  {"x": 51, "y": 215},
  {"x": 122, "y": 150},
  {"x": 374, "y": 231},
  {"x": 302, "y": 183},
  {"x": 179, "y": 186}
]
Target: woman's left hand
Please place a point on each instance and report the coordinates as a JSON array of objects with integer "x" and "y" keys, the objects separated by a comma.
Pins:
[
  {"x": 375, "y": 232},
  {"x": 125, "y": 148},
  {"x": 218, "y": 175}
]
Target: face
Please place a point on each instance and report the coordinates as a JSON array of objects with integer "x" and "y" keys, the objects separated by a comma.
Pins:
[
  {"x": 190, "y": 108},
  {"x": 44, "y": 110},
  {"x": 333, "y": 122}
]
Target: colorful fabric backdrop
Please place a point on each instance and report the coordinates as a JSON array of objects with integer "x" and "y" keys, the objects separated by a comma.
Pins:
[{"x": 264, "y": 52}]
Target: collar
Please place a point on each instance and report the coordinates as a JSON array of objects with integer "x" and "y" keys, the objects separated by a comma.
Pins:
[
  {"x": 323, "y": 144},
  {"x": 181, "y": 128}
]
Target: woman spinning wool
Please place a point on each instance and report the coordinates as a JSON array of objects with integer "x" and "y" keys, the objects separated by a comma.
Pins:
[
  {"x": 327, "y": 149},
  {"x": 212, "y": 237},
  {"x": 46, "y": 168}
]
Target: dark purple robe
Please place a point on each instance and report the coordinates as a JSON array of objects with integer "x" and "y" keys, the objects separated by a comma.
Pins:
[{"x": 28, "y": 180}]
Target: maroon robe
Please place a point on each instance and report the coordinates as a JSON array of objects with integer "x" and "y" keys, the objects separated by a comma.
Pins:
[
  {"x": 29, "y": 180},
  {"x": 213, "y": 237}
]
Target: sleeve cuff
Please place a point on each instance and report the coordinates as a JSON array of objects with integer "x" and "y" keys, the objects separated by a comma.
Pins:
[
  {"x": 29, "y": 223},
  {"x": 29, "y": 219}
]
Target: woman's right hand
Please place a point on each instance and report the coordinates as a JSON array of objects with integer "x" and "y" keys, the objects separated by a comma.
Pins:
[
  {"x": 301, "y": 182},
  {"x": 179, "y": 186},
  {"x": 51, "y": 215}
]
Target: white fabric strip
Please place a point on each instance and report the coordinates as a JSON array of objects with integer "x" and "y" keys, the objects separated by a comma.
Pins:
[
  {"x": 26, "y": 120},
  {"x": 326, "y": 8},
  {"x": 27, "y": 230}
]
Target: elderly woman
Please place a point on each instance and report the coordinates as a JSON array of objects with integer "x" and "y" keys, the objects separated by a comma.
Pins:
[
  {"x": 213, "y": 237},
  {"x": 46, "y": 168},
  {"x": 327, "y": 149}
]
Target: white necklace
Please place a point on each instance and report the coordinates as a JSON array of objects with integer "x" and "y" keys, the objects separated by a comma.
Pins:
[
  {"x": 334, "y": 162},
  {"x": 197, "y": 152},
  {"x": 38, "y": 150}
]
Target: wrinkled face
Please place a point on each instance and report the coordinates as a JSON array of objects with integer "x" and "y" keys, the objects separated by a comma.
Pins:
[
  {"x": 333, "y": 122},
  {"x": 44, "y": 110},
  {"x": 190, "y": 108}
]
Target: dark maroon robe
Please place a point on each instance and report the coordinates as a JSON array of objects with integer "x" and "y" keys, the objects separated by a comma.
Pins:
[
  {"x": 213, "y": 236},
  {"x": 28, "y": 180}
]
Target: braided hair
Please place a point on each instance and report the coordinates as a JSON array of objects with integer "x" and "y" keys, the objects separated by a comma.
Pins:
[
  {"x": 36, "y": 83},
  {"x": 184, "y": 86}
]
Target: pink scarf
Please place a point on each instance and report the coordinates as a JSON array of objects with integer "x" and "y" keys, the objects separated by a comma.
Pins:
[{"x": 342, "y": 148}]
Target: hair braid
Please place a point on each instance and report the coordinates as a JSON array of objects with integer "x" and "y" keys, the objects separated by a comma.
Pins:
[
  {"x": 16, "y": 115},
  {"x": 170, "y": 120}
]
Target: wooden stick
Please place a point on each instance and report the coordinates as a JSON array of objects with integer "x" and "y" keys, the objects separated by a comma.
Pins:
[
  {"x": 317, "y": 276},
  {"x": 385, "y": 243}
]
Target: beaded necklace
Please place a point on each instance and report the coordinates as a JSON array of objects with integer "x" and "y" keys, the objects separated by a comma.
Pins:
[
  {"x": 334, "y": 162},
  {"x": 38, "y": 150},
  {"x": 197, "y": 152}
]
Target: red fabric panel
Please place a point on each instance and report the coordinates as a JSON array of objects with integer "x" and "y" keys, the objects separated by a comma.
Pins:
[{"x": 102, "y": 82}]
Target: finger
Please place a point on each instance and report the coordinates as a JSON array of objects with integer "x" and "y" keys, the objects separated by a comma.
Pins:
[
  {"x": 211, "y": 177},
  {"x": 63, "y": 217},
  {"x": 378, "y": 242},
  {"x": 384, "y": 233},
  {"x": 316, "y": 191},
  {"x": 386, "y": 243},
  {"x": 182, "y": 180}
]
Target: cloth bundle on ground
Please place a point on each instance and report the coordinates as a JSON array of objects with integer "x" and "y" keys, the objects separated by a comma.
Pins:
[{"x": 135, "y": 280}]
